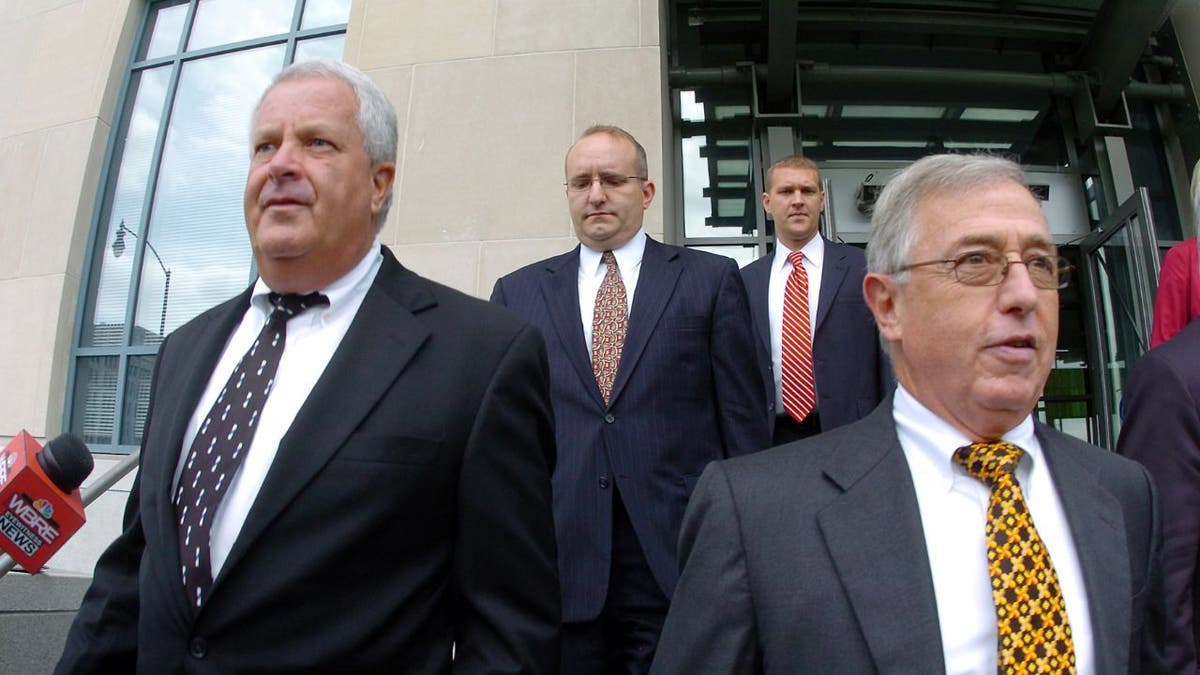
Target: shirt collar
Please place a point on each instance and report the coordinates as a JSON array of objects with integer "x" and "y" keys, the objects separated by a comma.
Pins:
[
  {"x": 338, "y": 292},
  {"x": 628, "y": 255},
  {"x": 814, "y": 252},
  {"x": 931, "y": 440}
]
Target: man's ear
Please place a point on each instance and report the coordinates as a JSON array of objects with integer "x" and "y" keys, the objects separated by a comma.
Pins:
[
  {"x": 881, "y": 293},
  {"x": 383, "y": 175}
]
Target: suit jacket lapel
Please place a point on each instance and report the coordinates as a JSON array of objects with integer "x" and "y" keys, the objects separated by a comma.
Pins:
[
  {"x": 832, "y": 277},
  {"x": 383, "y": 337},
  {"x": 874, "y": 534},
  {"x": 656, "y": 282},
  {"x": 1098, "y": 530},
  {"x": 560, "y": 288},
  {"x": 757, "y": 276}
]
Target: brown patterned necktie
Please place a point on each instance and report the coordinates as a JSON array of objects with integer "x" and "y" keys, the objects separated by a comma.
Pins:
[
  {"x": 227, "y": 430},
  {"x": 610, "y": 318},
  {"x": 1033, "y": 633},
  {"x": 798, "y": 388}
]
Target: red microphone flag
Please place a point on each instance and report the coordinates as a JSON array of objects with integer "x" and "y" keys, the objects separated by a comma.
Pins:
[{"x": 36, "y": 518}]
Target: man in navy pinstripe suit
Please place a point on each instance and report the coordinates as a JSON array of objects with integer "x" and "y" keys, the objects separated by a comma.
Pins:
[{"x": 686, "y": 391}]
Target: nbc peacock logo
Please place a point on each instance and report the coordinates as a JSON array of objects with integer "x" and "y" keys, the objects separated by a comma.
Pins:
[{"x": 44, "y": 507}]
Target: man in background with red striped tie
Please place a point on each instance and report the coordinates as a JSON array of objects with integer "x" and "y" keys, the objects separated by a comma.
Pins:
[{"x": 818, "y": 348}]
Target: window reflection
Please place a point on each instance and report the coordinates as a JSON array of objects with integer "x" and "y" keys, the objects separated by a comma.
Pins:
[
  {"x": 320, "y": 48},
  {"x": 105, "y": 319},
  {"x": 197, "y": 226},
  {"x": 221, "y": 22},
  {"x": 95, "y": 399},
  {"x": 319, "y": 13},
  {"x": 137, "y": 398},
  {"x": 168, "y": 24}
]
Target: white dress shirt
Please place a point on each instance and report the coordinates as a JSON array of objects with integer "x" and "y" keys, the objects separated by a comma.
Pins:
[
  {"x": 953, "y": 507},
  {"x": 312, "y": 338},
  {"x": 781, "y": 269},
  {"x": 591, "y": 275}
]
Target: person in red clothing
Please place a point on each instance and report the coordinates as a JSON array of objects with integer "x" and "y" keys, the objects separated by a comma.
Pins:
[{"x": 1178, "y": 299}]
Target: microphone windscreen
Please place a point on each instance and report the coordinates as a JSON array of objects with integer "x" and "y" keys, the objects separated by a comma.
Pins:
[{"x": 66, "y": 461}]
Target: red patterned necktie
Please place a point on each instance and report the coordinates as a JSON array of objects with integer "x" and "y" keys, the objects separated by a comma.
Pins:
[
  {"x": 796, "y": 362},
  {"x": 1033, "y": 633},
  {"x": 610, "y": 318},
  {"x": 227, "y": 430}
]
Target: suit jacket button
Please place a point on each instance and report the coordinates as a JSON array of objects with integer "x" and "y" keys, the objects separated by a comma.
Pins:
[
  {"x": 603, "y": 482},
  {"x": 609, "y": 418},
  {"x": 198, "y": 648}
]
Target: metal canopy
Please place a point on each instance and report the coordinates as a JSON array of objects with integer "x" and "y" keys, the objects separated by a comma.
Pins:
[{"x": 993, "y": 54}]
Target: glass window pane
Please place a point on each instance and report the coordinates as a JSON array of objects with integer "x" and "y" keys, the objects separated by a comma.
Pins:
[
  {"x": 95, "y": 399},
  {"x": 167, "y": 23},
  {"x": 895, "y": 111},
  {"x": 318, "y": 13},
  {"x": 104, "y": 318},
  {"x": 730, "y": 198},
  {"x": 221, "y": 22},
  {"x": 742, "y": 255},
  {"x": 137, "y": 399},
  {"x": 201, "y": 254},
  {"x": 320, "y": 48}
]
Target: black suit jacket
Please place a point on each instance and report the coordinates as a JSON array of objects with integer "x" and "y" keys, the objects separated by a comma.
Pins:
[
  {"x": 686, "y": 393},
  {"x": 1162, "y": 431},
  {"x": 811, "y": 557},
  {"x": 851, "y": 371},
  {"x": 408, "y": 508}
]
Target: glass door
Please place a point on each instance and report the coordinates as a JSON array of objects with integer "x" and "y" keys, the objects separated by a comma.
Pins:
[{"x": 1119, "y": 275}]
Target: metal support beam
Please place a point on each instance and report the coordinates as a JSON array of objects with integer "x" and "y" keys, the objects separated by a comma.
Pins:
[
  {"x": 1058, "y": 84},
  {"x": 1118, "y": 37},
  {"x": 781, "y": 52}
]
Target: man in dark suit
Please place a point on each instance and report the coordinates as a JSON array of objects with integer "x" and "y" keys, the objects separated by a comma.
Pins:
[
  {"x": 652, "y": 376},
  {"x": 1162, "y": 431},
  {"x": 846, "y": 364},
  {"x": 389, "y": 509},
  {"x": 875, "y": 547}
]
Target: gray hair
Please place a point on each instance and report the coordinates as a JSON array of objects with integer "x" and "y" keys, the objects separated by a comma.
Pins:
[
  {"x": 893, "y": 223},
  {"x": 376, "y": 115}
]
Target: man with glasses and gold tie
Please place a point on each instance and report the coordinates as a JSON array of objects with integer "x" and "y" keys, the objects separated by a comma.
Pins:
[
  {"x": 652, "y": 376},
  {"x": 949, "y": 530}
]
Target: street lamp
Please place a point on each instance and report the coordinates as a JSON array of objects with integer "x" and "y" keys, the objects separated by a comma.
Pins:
[{"x": 118, "y": 248}]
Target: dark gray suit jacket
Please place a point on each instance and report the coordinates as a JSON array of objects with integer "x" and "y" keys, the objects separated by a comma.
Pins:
[
  {"x": 686, "y": 393},
  {"x": 810, "y": 557},
  {"x": 408, "y": 508},
  {"x": 1162, "y": 431},
  {"x": 852, "y": 372}
]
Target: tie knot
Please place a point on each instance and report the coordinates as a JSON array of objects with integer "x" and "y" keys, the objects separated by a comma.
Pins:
[
  {"x": 608, "y": 259},
  {"x": 288, "y": 305},
  {"x": 989, "y": 461},
  {"x": 797, "y": 260}
]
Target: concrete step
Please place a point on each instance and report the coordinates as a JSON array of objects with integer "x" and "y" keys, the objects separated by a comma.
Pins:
[{"x": 35, "y": 612}]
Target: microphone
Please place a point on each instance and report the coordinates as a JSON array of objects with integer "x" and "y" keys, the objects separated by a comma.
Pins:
[{"x": 40, "y": 503}]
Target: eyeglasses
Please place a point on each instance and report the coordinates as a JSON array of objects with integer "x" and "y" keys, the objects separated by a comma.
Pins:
[
  {"x": 608, "y": 181},
  {"x": 989, "y": 268}
]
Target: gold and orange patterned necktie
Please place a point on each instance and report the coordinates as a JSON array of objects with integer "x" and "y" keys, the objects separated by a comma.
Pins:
[
  {"x": 1033, "y": 633},
  {"x": 610, "y": 319}
]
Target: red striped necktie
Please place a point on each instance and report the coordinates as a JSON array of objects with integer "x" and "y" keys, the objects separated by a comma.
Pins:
[{"x": 796, "y": 362}]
